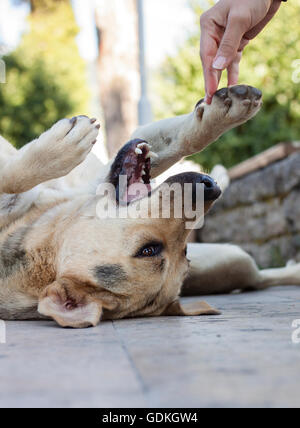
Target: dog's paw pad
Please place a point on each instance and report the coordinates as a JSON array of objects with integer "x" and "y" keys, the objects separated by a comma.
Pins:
[
  {"x": 200, "y": 112},
  {"x": 200, "y": 109},
  {"x": 228, "y": 102},
  {"x": 246, "y": 102},
  {"x": 239, "y": 103}
]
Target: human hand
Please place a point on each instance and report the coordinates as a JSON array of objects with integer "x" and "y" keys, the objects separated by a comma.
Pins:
[{"x": 226, "y": 29}]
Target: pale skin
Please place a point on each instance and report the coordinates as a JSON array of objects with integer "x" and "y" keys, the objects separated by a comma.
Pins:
[{"x": 226, "y": 29}]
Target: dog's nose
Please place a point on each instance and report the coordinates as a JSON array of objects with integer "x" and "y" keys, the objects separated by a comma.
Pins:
[{"x": 211, "y": 190}]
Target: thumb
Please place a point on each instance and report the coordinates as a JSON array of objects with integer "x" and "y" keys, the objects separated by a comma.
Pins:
[{"x": 235, "y": 30}]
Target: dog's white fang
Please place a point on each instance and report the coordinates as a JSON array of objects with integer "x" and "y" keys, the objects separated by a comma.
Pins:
[
  {"x": 142, "y": 145},
  {"x": 152, "y": 155}
]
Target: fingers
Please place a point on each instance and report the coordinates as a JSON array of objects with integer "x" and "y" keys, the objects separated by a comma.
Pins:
[
  {"x": 212, "y": 78},
  {"x": 225, "y": 31},
  {"x": 231, "y": 41},
  {"x": 234, "y": 70},
  {"x": 208, "y": 52}
]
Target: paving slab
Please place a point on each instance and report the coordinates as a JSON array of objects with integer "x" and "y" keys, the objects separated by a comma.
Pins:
[{"x": 243, "y": 358}]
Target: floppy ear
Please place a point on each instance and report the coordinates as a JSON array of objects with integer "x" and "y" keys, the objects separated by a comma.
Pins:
[
  {"x": 176, "y": 309},
  {"x": 69, "y": 306}
]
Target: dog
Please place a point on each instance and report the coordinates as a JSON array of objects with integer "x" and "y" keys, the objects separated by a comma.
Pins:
[{"x": 59, "y": 260}]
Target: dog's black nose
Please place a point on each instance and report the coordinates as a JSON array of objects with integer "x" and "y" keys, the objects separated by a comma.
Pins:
[{"x": 211, "y": 190}]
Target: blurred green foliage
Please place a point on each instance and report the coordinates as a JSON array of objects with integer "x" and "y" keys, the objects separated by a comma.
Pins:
[
  {"x": 46, "y": 78},
  {"x": 268, "y": 63}
]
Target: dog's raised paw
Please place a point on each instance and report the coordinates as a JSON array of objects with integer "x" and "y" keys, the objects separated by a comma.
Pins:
[
  {"x": 240, "y": 102},
  {"x": 66, "y": 145},
  {"x": 83, "y": 132},
  {"x": 230, "y": 106}
]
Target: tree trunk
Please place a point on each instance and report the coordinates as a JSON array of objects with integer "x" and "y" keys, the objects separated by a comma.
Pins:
[{"x": 118, "y": 69}]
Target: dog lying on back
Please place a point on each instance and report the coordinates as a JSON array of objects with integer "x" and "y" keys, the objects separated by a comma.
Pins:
[{"x": 59, "y": 260}]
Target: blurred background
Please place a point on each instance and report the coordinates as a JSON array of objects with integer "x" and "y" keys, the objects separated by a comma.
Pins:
[
  {"x": 128, "y": 62},
  {"x": 68, "y": 57}
]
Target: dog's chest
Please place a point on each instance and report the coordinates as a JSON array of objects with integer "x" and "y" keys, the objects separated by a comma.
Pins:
[{"x": 25, "y": 265}]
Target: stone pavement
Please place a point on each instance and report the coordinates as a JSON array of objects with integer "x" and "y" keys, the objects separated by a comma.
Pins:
[{"x": 245, "y": 357}]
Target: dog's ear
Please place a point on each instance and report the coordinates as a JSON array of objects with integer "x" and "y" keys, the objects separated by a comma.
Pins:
[
  {"x": 69, "y": 306},
  {"x": 189, "y": 309}
]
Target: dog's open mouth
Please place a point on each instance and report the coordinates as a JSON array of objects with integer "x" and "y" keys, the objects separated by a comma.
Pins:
[{"x": 131, "y": 171}]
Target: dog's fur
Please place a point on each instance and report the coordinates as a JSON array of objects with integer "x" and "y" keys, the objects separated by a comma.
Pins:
[{"x": 59, "y": 260}]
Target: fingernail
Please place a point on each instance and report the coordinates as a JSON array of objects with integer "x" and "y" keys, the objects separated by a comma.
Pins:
[{"x": 219, "y": 63}]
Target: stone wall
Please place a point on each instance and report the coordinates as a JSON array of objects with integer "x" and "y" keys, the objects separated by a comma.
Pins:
[{"x": 261, "y": 213}]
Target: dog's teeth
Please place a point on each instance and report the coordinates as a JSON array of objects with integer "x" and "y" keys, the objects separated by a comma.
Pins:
[
  {"x": 142, "y": 145},
  {"x": 153, "y": 155},
  {"x": 138, "y": 151}
]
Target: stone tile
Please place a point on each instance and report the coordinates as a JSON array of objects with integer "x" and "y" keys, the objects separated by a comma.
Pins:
[
  {"x": 42, "y": 365},
  {"x": 245, "y": 357}
]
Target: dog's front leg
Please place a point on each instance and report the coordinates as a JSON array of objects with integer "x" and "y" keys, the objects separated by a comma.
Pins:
[
  {"x": 54, "y": 154},
  {"x": 173, "y": 139}
]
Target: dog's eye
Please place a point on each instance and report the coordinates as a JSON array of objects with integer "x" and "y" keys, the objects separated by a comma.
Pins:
[{"x": 150, "y": 250}]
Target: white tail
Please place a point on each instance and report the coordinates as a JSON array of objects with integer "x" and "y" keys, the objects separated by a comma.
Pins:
[{"x": 289, "y": 275}]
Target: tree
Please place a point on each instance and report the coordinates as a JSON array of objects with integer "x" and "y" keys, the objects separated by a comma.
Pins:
[
  {"x": 118, "y": 69},
  {"x": 268, "y": 63},
  {"x": 46, "y": 78}
]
